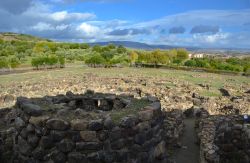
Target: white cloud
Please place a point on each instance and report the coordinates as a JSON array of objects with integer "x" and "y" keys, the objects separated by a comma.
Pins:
[
  {"x": 218, "y": 37},
  {"x": 63, "y": 15},
  {"x": 42, "y": 26},
  {"x": 88, "y": 29}
]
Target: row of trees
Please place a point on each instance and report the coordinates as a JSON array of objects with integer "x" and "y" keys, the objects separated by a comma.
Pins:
[
  {"x": 51, "y": 54},
  {"x": 231, "y": 64},
  {"x": 8, "y": 63},
  {"x": 174, "y": 56},
  {"x": 48, "y": 61}
]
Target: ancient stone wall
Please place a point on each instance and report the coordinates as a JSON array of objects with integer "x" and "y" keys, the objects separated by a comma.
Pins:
[
  {"x": 224, "y": 139},
  {"x": 80, "y": 128}
]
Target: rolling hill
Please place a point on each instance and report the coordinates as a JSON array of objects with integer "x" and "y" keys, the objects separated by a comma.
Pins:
[{"x": 8, "y": 36}]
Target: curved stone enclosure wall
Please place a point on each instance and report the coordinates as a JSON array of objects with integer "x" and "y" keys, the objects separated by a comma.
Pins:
[
  {"x": 224, "y": 139},
  {"x": 91, "y": 127}
]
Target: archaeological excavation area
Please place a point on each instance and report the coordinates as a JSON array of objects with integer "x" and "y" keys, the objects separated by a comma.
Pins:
[{"x": 124, "y": 120}]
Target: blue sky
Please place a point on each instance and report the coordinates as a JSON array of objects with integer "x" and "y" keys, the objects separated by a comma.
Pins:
[{"x": 212, "y": 24}]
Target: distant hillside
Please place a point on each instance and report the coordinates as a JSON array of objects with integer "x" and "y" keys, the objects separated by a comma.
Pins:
[
  {"x": 144, "y": 46},
  {"x": 20, "y": 37},
  {"x": 135, "y": 45}
]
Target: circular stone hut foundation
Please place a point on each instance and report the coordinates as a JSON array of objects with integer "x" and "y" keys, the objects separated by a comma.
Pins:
[{"x": 90, "y": 127}]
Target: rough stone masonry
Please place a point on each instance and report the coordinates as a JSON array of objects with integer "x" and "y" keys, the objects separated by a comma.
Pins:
[{"x": 90, "y": 127}]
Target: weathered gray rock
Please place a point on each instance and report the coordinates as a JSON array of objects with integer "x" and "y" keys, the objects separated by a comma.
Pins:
[
  {"x": 79, "y": 124},
  {"x": 19, "y": 123},
  {"x": 76, "y": 157},
  {"x": 128, "y": 122},
  {"x": 95, "y": 125},
  {"x": 39, "y": 121},
  {"x": 146, "y": 115},
  {"x": 108, "y": 123},
  {"x": 66, "y": 145},
  {"x": 23, "y": 146},
  {"x": 160, "y": 150},
  {"x": 88, "y": 136},
  {"x": 88, "y": 146},
  {"x": 31, "y": 109},
  {"x": 57, "y": 124}
]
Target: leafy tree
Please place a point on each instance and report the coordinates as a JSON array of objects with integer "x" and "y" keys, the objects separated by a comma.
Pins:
[
  {"x": 108, "y": 55},
  {"x": 234, "y": 61},
  {"x": 157, "y": 57},
  {"x": 190, "y": 63},
  {"x": 97, "y": 48},
  {"x": 51, "y": 60},
  {"x": 133, "y": 57},
  {"x": 61, "y": 60},
  {"x": 111, "y": 46},
  {"x": 182, "y": 54},
  {"x": 201, "y": 63},
  {"x": 121, "y": 49},
  {"x": 14, "y": 62},
  {"x": 95, "y": 59},
  {"x": 84, "y": 46},
  {"x": 74, "y": 46},
  {"x": 4, "y": 62}
]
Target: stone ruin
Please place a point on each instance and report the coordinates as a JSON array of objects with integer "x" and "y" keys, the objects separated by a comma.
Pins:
[
  {"x": 90, "y": 127},
  {"x": 98, "y": 127},
  {"x": 223, "y": 138}
]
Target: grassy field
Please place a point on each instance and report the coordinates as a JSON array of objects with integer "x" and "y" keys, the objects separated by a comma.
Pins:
[{"x": 215, "y": 81}]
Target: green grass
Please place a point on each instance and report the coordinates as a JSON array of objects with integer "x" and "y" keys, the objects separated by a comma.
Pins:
[
  {"x": 135, "y": 106},
  {"x": 77, "y": 71},
  {"x": 210, "y": 93}
]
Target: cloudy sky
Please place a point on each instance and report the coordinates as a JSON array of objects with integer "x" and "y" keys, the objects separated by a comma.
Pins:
[{"x": 211, "y": 23}]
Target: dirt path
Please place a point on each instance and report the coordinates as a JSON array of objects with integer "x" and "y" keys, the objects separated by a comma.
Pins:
[{"x": 189, "y": 153}]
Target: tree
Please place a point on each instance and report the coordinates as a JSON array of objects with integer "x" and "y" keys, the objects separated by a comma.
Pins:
[
  {"x": 111, "y": 46},
  {"x": 97, "y": 48},
  {"x": 182, "y": 54},
  {"x": 4, "y": 62},
  {"x": 121, "y": 49},
  {"x": 190, "y": 63},
  {"x": 61, "y": 60},
  {"x": 14, "y": 62},
  {"x": 84, "y": 46},
  {"x": 133, "y": 57},
  {"x": 157, "y": 57},
  {"x": 51, "y": 60},
  {"x": 95, "y": 59}
]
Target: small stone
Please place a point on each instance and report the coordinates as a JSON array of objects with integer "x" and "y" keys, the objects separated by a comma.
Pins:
[
  {"x": 46, "y": 142},
  {"x": 76, "y": 157},
  {"x": 88, "y": 136},
  {"x": 31, "y": 109},
  {"x": 211, "y": 152},
  {"x": 146, "y": 115},
  {"x": 128, "y": 122},
  {"x": 57, "y": 124},
  {"x": 32, "y": 140},
  {"x": 184, "y": 147},
  {"x": 116, "y": 145},
  {"x": 108, "y": 123},
  {"x": 58, "y": 157},
  {"x": 79, "y": 125},
  {"x": 140, "y": 138},
  {"x": 88, "y": 146},
  {"x": 160, "y": 150},
  {"x": 96, "y": 125},
  {"x": 19, "y": 123},
  {"x": 23, "y": 146},
  {"x": 39, "y": 121},
  {"x": 66, "y": 145}
]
